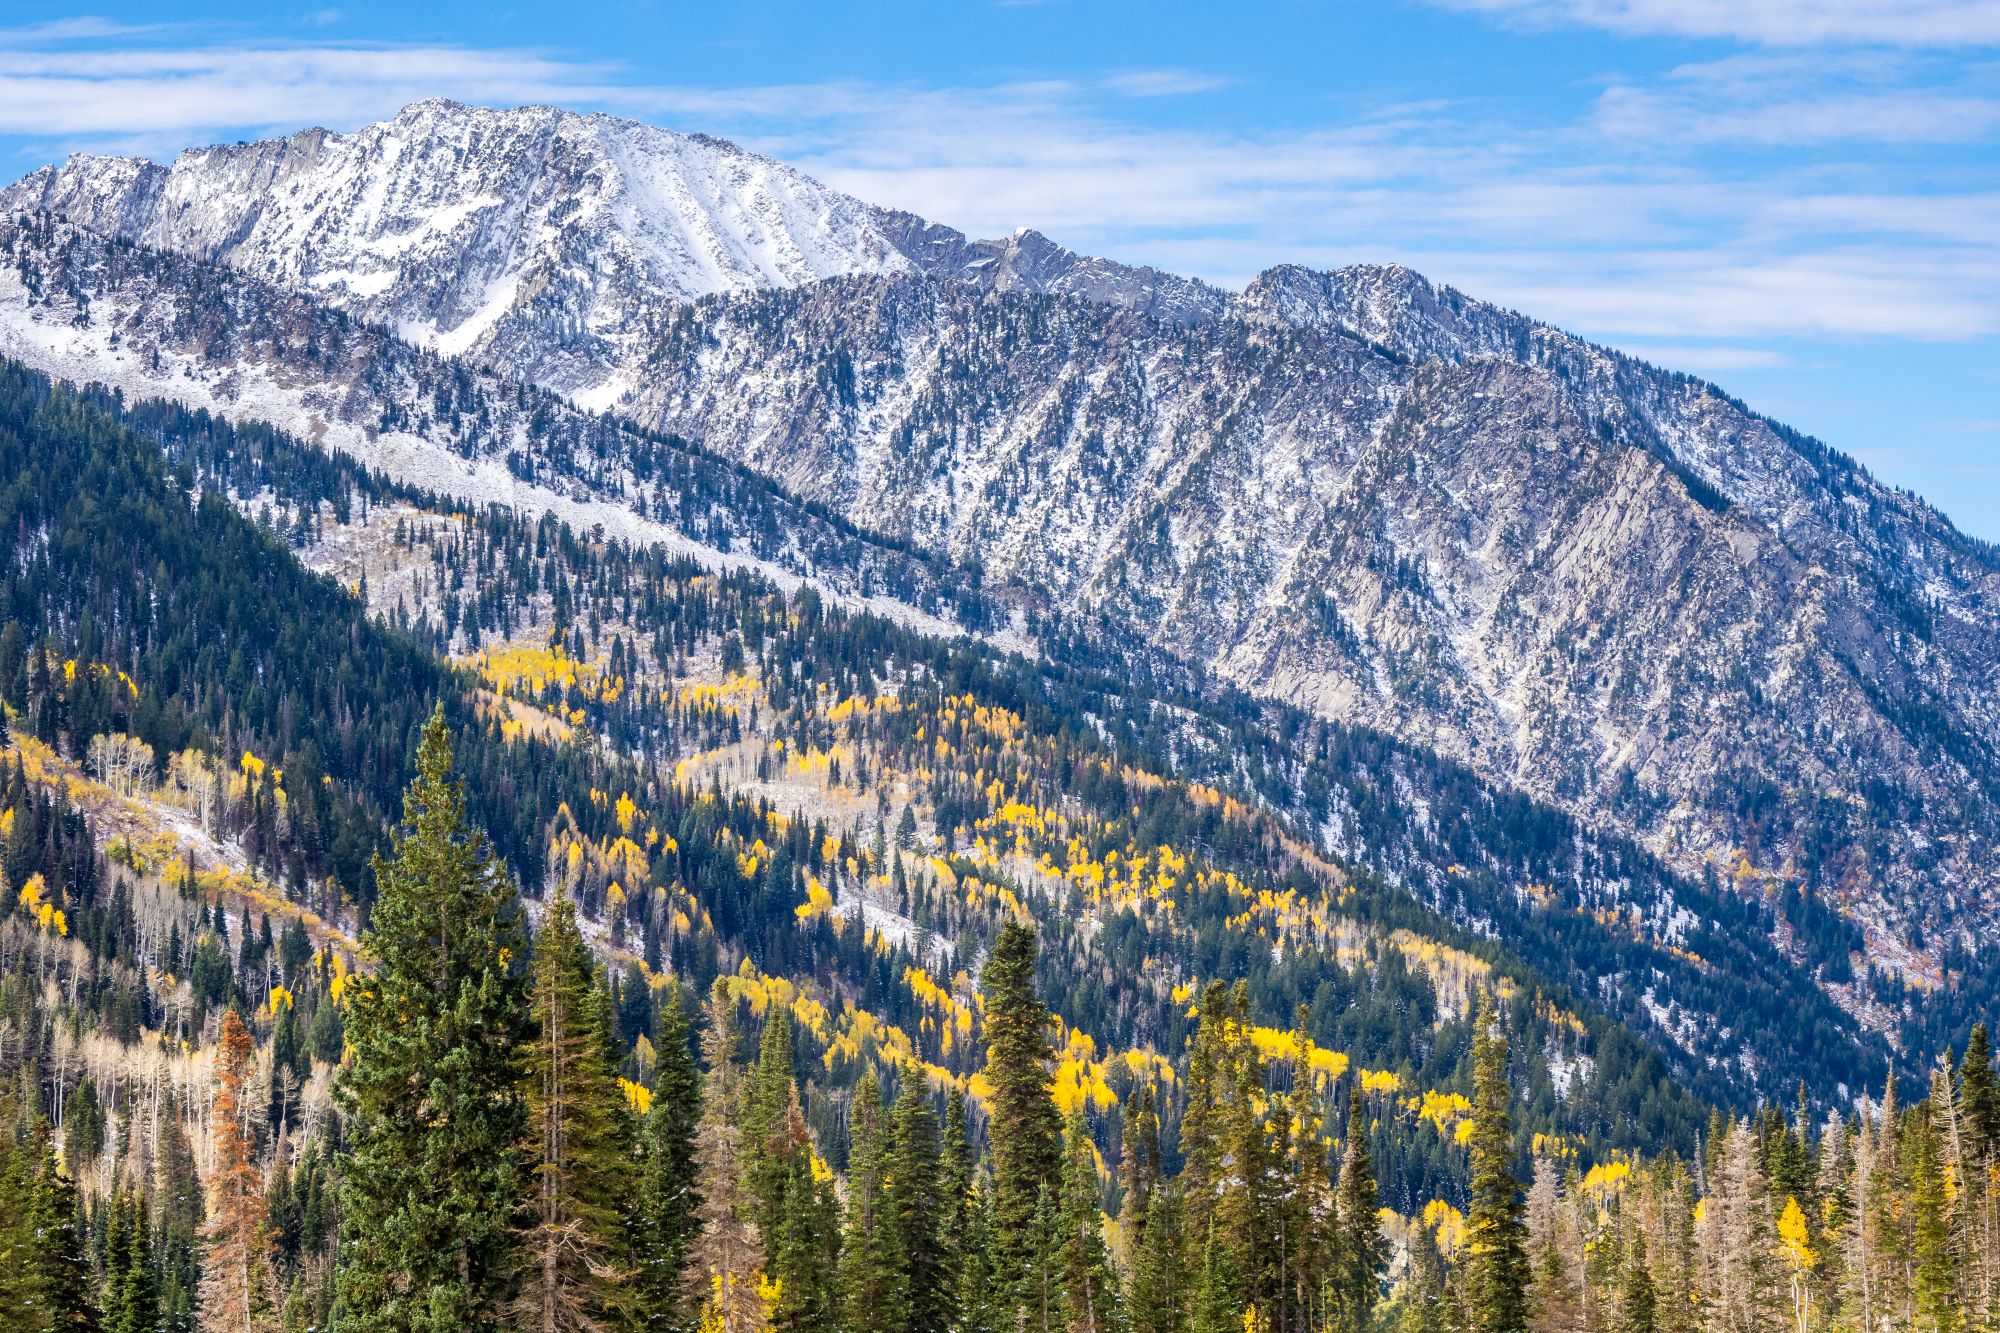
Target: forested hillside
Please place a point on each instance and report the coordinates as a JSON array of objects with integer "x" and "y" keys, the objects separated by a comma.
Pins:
[{"x": 1058, "y": 1013}]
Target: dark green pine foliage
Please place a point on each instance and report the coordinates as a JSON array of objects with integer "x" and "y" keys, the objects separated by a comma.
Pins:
[
  {"x": 1496, "y": 1265},
  {"x": 131, "y": 1293},
  {"x": 1089, "y": 1296},
  {"x": 873, "y": 1291},
  {"x": 573, "y": 1262},
  {"x": 1023, "y": 1126},
  {"x": 1361, "y": 1252},
  {"x": 797, "y": 1214},
  {"x": 63, "y": 1293},
  {"x": 1980, "y": 1091},
  {"x": 1638, "y": 1306},
  {"x": 665, "y": 1210},
  {"x": 435, "y": 1176},
  {"x": 958, "y": 1162},
  {"x": 916, "y": 1206},
  {"x": 1938, "y": 1308},
  {"x": 984, "y": 1306},
  {"x": 1156, "y": 1300},
  {"x": 768, "y": 1145},
  {"x": 805, "y": 1250},
  {"x": 177, "y": 1204}
]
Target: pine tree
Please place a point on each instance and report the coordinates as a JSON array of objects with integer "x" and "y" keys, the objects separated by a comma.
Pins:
[
  {"x": 63, "y": 1295},
  {"x": 1496, "y": 1235},
  {"x": 573, "y": 1260},
  {"x": 131, "y": 1300},
  {"x": 1157, "y": 1295},
  {"x": 1361, "y": 1249},
  {"x": 914, "y": 1207},
  {"x": 1023, "y": 1123},
  {"x": 1088, "y": 1294},
  {"x": 238, "y": 1288},
  {"x": 1935, "y": 1288},
  {"x": 984, "y": 1306},
  {"x": 434, "y": 1178},
  {"x": 668, "y": 1197},
  {"x": 805, "y": 1250},
  {"x": 1638, "y": 1308},
  {"x": 768, "y": 1145},
  {"x": 1980, "y": 1095},
  {"x": 871, "y": 1280}
]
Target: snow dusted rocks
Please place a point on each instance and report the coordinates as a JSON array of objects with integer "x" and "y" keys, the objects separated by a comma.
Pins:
[{"x": 1603, "y": 582}]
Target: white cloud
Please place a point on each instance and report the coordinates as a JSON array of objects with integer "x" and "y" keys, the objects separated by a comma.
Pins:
[
  {"x": 1912, "y": 23},
  {"x": 1632, "y": 222},
  {"x": 1163, "y": 82}
]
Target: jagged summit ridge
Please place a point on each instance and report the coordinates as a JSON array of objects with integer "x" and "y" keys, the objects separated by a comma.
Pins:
[{"x": 539, "y": 239}]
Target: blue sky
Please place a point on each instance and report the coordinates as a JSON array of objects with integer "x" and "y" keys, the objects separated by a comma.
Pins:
[{"x": 1799, "y": 199}]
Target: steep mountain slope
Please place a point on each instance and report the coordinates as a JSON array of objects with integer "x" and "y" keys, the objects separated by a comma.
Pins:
[
  {"x": 537, "y": 239},
  {"x": 1605, "y": 583},
  {"x": 1376, "y": 498}
]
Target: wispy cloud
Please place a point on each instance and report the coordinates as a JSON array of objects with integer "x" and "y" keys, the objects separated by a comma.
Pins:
[
  {"x": 1707, "y": 208},
  {"x": 1909, "y": 23}
]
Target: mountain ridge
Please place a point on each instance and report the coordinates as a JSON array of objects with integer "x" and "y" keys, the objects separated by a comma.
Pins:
[{"x": 1310, "y": 487}]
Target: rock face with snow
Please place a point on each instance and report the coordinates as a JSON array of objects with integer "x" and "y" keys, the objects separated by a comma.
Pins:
[
  {"x": 1603, "y": 582},
  {"x": 536, "y": 239}
]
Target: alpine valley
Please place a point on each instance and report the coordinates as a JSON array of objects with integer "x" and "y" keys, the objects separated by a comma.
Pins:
[{"x": 872, "y": 628}]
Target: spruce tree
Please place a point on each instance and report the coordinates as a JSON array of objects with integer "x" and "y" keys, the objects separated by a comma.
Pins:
[
  {"x": 1979, "y": 1092},
  {"x": 1937, "y": 1305},
  {"x": 668, "y": 1198},
  {"x": 64, "y": 1296},
  {"x": 1023, "y": 1124},
  {"x": 1496, "y": 1266},
  {"x": 1638, "y": 1309},
  {"x": 131, "y": 1300},
  {"x": 873, "y": 1287},
  {"x": 1361, "y": 1251},
  {"x": 915, "y": 1205},
  {"x": 1088, "y": 1294},
  {"x": 1157, "y": 1297},
  {"x": 433, "y": 1094},
  {"x": 573, "y": 1245}
]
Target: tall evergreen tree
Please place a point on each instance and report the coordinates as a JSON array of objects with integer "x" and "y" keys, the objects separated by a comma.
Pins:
[
  {"x": 574, "y": 1249},
  {"x": 1157, "y": 1297},
  {"x": 131, "y": 1298},
  {"x": 1979, "y": 1084},
  {"x": 668, "y": 1197},
  {"x": 1361, "y": 1251},
  {"x": 874, "y": 1290},
  {"x": 63, "y": 1295},
  {"x": 1496, "y": 1279},
  {"x": 1023, "y": 1125},
  {"x": 915, "y": 1205},
  {"x": 1638, "y": 1307},
  {"x": 1089, "y": 1297},
  {"x": 433, "y": 1094}
]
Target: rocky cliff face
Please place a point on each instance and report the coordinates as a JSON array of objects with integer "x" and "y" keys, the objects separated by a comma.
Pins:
[{"x": 1603, "y": 582}]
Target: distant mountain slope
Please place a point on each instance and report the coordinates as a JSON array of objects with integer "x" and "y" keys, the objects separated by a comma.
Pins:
[
  {"x": 538, "y": 239},
  {"x": 1603, "y": 582},
  {"x": 1693, "y": 970},
  {"x": 1608, "y": 584}
]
